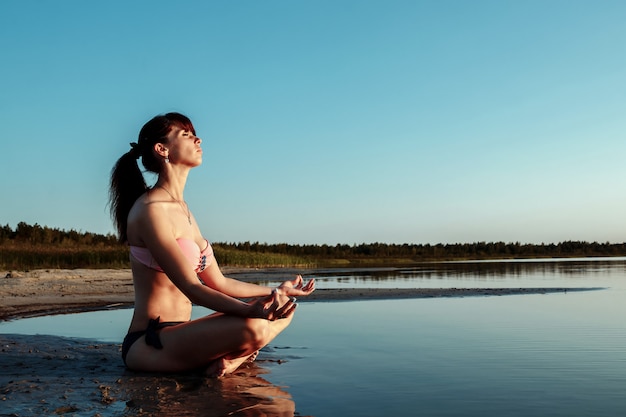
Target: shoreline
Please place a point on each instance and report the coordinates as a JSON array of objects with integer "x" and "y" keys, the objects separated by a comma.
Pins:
[
  {"x": 36, "y": 293},
  {"x": 51, "y": 375}
]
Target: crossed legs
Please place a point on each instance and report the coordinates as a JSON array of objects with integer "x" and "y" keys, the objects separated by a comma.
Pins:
[{"x": 219, "y": 342}]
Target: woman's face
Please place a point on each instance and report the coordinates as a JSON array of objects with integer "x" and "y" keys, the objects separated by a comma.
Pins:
[{"x": 184, "y": 147}]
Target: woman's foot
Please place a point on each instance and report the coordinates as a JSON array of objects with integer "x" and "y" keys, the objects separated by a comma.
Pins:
[
  {"x": 222, "y": 366},
  {"x": 252, "y": 357}
]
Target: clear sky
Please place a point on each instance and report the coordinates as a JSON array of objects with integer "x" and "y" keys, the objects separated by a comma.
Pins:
[{"x": 339, "y": 121}]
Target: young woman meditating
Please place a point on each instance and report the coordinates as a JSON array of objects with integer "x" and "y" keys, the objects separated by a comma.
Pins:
[{"x": 173, "y": 266}]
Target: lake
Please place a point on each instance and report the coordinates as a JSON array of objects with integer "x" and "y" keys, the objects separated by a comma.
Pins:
[{"x": 561, "y": 354}]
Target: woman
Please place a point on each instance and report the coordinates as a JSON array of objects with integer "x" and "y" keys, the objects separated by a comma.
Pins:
[{"x": 173, "y": 266}]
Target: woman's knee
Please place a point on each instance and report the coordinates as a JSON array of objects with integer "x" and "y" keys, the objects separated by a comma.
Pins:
[{"x": 257, "y": 332}]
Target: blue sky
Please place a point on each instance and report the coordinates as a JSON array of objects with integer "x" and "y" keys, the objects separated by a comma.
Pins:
[{"x": 327, "y": 121}]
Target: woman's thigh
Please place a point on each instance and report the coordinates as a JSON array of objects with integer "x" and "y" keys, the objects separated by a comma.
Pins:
[{"x": 198, "y": 342}]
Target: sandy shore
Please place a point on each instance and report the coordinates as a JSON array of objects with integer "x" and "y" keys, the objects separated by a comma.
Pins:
[
  {"x": 44, "y": 292},
  {"x": 49, "y": 375}
]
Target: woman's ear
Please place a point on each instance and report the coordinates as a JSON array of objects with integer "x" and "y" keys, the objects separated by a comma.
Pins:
[{"x": 160, "y": 149}]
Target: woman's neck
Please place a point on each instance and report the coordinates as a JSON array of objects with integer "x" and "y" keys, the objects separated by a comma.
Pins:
[{"x": 173, "y": 184}]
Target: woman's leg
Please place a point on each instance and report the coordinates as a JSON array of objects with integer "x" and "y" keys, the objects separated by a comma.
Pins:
[
  {"x": 231, "y": 362},
  {"x": 222, "y": 341}
]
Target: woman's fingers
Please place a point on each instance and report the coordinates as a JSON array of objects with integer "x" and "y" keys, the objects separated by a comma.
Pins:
[
  {"x": 309, "y": 287},
  {"x": 298, "y": 281},
  {"x": 290, "y": 311},
  {"x": 273, "y": 302},
  {"x": 268, "y": 306},
  {"x": 294, "y": 287},
  {"x": 286, "y": 310},
  {"x": 274, "y": 311}
]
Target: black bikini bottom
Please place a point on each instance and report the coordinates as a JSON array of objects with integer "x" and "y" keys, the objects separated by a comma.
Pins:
[{"x": 152, "y": 335}]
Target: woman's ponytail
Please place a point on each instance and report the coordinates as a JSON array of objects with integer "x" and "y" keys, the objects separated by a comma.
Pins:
[{"x": 127, "y": 185}]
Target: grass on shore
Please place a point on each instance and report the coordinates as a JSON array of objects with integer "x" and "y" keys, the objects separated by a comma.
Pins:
[
  {"x": 21, "y": 255},
  {"x": 28, "y": 256}
]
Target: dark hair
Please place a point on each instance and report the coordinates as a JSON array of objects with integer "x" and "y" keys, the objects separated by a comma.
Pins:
[{"x": 127, "y": 181}]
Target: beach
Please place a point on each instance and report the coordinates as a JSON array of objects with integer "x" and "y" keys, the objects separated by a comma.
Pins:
[
  {"x": 60, "y": 291},
  {"x": 51, "y": 375}
]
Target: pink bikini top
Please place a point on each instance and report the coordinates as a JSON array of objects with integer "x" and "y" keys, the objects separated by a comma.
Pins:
[{"x": 198, "y": 259}]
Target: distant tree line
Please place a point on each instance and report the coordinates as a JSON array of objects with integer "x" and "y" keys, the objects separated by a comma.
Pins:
[
  {"x": 425, "y": 252},
  {"x": 35, "y": 246},
  {"x": 36, "y": 234}
]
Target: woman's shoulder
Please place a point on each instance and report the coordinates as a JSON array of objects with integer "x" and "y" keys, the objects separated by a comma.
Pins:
[
  {"x": 146, "y": 210},
  {"x": 148, "y": 202}
]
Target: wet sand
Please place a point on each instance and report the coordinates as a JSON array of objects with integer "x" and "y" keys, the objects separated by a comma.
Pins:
[{"x": 49, "y": 375}]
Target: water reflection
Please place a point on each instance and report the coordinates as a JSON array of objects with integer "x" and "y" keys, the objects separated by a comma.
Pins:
[
  {"x": 511, "y": 269},
  {"x": 242, "y": 394},
  {"x": 501, "y": 273},
  {"x": 48, "y": 375}
]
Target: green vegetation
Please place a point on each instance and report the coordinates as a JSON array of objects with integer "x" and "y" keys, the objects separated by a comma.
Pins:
[
  {"x": 31, "y": 247},
  {"x": 40, "y": 247}
]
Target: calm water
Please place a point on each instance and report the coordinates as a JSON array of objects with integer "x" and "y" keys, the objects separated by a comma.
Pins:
[{"x": 523, "y": 355}]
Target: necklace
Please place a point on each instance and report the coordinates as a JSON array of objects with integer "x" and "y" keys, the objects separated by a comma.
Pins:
[{"x": 180, "y": 203}]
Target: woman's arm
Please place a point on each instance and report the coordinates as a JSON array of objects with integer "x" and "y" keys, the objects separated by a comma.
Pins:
[
  {"x": 159, "y": 237},
  {"x": 212, "y": 276}
]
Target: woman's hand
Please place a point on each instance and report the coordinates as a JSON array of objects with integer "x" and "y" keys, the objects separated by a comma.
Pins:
[
  {"x": 270, "y": 308},
  {"x": 296, "y": 287}
]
